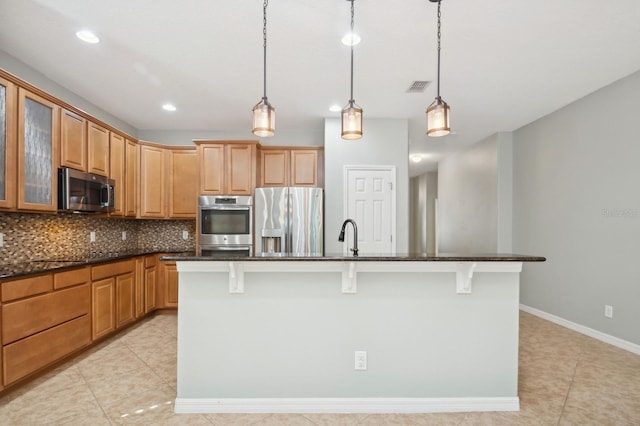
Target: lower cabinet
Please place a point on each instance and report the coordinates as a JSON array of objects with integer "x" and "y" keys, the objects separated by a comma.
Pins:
[
  {"x": 169, "y": 285},
  {"x": 113, "y": 289},
  {"x": 103, "y": 308},
  {"x": 44, "y": 318},
  {"x": 150, "y": 283}
]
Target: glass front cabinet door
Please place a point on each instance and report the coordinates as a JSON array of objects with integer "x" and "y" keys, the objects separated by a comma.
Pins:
[
  {"x": 7, "y": 145},
  {"x": 38, "y": 132}
]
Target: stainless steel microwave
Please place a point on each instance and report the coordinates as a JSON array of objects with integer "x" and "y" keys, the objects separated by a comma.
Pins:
[{"x": 85, "y": 192}]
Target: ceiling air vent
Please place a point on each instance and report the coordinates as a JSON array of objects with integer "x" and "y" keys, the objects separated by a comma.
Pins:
[{"x": 418, "y": 86}]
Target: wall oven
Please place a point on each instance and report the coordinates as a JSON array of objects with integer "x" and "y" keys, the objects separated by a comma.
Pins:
[{"x": 225, "y": 224}]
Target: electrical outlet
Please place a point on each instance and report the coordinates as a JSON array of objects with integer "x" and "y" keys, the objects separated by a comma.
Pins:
[
  {"x": 185, "y": 235},
  {"x": 1, "y": 239},
  {"x": 92, "y": 236},
  {"x": 361, "y": 360},
  {"x": 608, "y": 311},
  {"x": 124, "y": 235}
]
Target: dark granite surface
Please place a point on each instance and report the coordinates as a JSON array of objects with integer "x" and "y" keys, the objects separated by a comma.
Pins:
[
  {"x": 412, "y": 257},
  {"x": 11, "y": 270}
]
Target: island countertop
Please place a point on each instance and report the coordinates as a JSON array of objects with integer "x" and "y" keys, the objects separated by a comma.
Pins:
[{"x": 366, "y": 257}]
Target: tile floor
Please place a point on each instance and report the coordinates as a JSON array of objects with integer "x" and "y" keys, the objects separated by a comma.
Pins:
[{"x": 565, "y": 379}]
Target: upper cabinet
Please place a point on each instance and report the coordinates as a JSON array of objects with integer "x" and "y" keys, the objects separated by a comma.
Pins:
[
  {"x": 131, "y": 179},
  {"x": 168, "y": 181},
  {"x": 227, "y": 167},
  {"x": 152, "y": 181},
  {"x": 117, "y": 172},
  {"x": 288, "y": 166},
  {"x": 98, "y": 149},
  {"x": 7, "y": 144},
  {"x": 38, "y": 132},
  {"x": 182, "y": 177},
  {"x": 73, "y": 140}
]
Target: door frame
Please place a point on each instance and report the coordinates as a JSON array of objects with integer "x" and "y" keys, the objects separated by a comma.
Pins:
[{"x": 345, "y": 192}]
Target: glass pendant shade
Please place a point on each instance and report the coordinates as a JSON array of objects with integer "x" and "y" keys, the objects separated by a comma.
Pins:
[
  {"x": 351, "y": 122},
  {"x": 264, "y": 119},
  {"x": 438, "y": 118}
]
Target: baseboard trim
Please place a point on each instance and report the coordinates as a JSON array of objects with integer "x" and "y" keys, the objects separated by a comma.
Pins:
[
  {"x": 344, "y": 405},
  {"x": 603, "y": 337}
]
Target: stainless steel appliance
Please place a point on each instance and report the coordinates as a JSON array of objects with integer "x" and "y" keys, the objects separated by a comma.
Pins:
[
  {"x": 85, "y": 192},
  {"x": 289, "y": 221},
  {"x": 226, "y": 225}
]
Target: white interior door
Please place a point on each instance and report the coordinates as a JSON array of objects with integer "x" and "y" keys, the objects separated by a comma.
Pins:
[{"x": 370, "y": 201}]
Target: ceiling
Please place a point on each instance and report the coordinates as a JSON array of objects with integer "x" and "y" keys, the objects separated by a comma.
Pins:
[{"x": 505, "y": 63}]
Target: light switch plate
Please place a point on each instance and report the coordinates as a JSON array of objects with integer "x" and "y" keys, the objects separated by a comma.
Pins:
[
  {"x": 92, "y": 236},
  {"x": 185, "y": 235},
  {"x": 1, "y": 239}
]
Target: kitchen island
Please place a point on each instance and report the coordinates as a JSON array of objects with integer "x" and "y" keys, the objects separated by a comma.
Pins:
[{"x": 402, "y": 333}]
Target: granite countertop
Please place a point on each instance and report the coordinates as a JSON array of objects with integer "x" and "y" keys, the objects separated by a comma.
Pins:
[
  {"x": 37, "y": 266},
  {"x": 411, "y": 257}
]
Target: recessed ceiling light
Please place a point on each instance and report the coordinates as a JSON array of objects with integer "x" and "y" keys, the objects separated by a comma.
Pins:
[
  {"x": 335, "y": 108},
  {"x": 169, "y": 107},
  {"x": 416, "y": 158},
  {"x": 88, "y": 37},
  {"x": 351, "y": 39}
]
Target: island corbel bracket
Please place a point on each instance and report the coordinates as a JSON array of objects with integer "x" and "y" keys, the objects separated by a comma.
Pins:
[
  {"x": 464, "y": 275},
  {"x": 236, "y": 277},
  {"x": 349, "y": 277}
]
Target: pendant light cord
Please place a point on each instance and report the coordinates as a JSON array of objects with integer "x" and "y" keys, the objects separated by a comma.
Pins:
[
  {"x": 439, "y": 15},
  {"x": 352, "y": 37},
  {"x": 264, "y": 38}
]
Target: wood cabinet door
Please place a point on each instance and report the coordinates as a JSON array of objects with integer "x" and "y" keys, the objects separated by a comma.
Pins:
[
  {"x": 73, "y": 140},
  {"x": 103, "y": 307},
  {"x": 150, "y": 288},
  {"x": 8, "y": 144},
  {"x": 211, "y": 166},
  {"x": 131, "y": 178},
  {"x": 98, "y": 149},
  {"x": 117, "y": 172},
  {"x": 125, "y": 299},
  {"x": 183, "y": 183},
  {"x": 304, "y": 167},
  {"x": 152, "y": 182},
  {"x": 241, "y": 177},
  {"x": 170, "y": 285},
  {"x": 38, "y": 144},
  {"x": 274, "y": 167},
  {"x": 139, "y": 287}
]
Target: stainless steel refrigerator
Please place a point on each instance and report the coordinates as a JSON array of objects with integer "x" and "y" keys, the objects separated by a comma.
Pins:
[{"x": 289, "y": 221}]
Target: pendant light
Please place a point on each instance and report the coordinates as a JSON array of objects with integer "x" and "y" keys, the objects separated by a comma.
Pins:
[
  {"x": 438, "y": 111},
  {"x": 264, "y": 115},
  {"x": 352, "y": 113}
]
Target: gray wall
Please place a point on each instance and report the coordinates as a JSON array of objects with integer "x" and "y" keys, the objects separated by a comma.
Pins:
[
  {"x": 474, "y": 198},
  {"x": 36, "y": 78},
  {"x": 385, "y": 142},
  {"x": 424, "y": 192},
  {"x": 577, "y": 201}
]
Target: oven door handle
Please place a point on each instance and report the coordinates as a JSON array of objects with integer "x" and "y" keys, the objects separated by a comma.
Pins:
[{"x": 245, "y": 208}]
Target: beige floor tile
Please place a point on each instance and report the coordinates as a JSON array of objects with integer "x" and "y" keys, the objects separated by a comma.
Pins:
[
  {"x": 89, "y": 418},
  {"x": 114, "y": 363},
  {"x": 49, "y": 408},
  {"x": 335, "y": 419},
  {"x": 120, "y": 386},
  {"x": 572, "y": 416},
  {"x": 153, "y": 406},
  {"x": 236, "y": 419}
]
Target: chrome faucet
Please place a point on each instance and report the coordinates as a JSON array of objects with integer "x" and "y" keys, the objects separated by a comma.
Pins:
[{"x": 355, "y": 235}]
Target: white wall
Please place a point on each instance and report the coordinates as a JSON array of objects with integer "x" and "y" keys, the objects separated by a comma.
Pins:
[
  {"x": 432, "y": 195},
  {"x": 385, "y": 142},
  {"x": 424, "y": 191},
  {"x": 39, "y": 80},
  {"x": 577, "y": 201},
  {"x": 474, "y": 213}
]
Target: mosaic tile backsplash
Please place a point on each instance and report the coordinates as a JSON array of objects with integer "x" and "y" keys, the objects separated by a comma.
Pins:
[{"x": 41, "y": 236}]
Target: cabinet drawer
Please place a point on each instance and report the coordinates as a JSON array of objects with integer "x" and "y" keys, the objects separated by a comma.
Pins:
[
  {"x": 111, "y": 269},
  {"x": 28, "y": 355},
  {"x": 24, "y": 287},
  {"x": 29, "y": 316},
  {"x": 71, "y": 278},
  {"x": 150, "y": 261}
]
